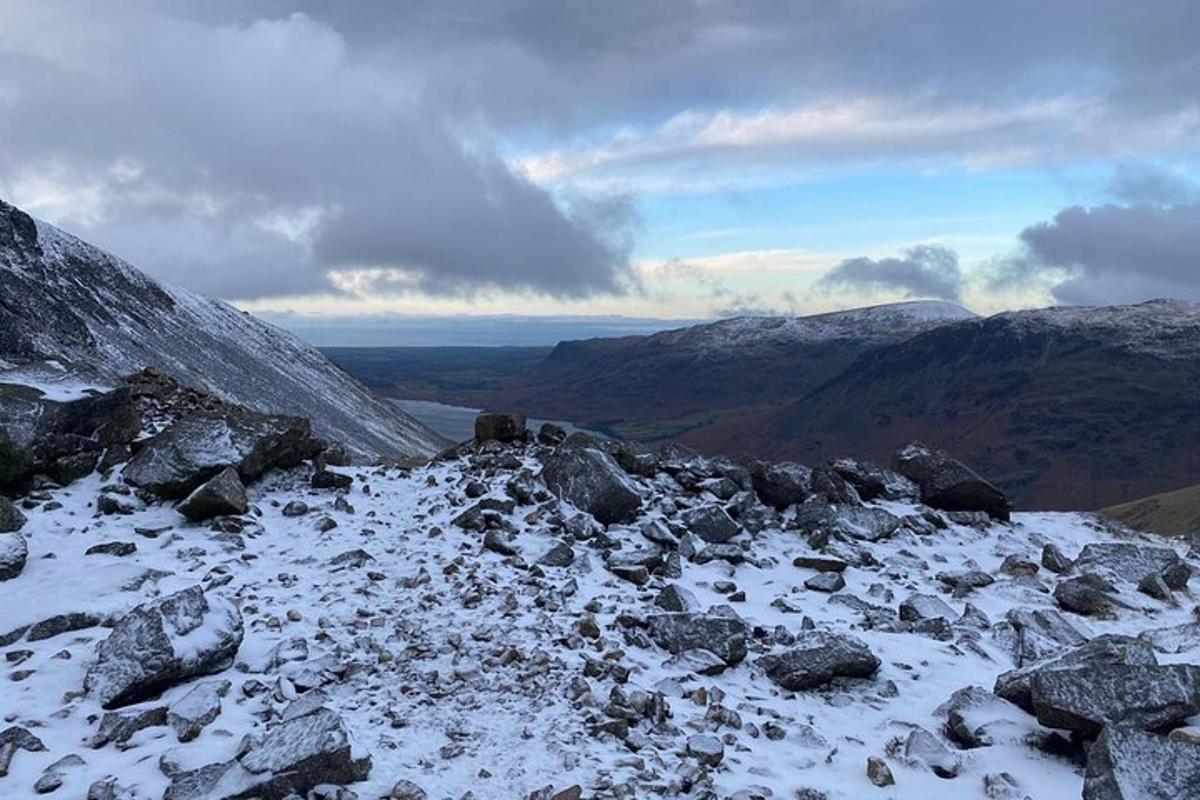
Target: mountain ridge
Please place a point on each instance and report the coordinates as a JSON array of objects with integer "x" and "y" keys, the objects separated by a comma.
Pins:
[{"x": 66, "y": 302}]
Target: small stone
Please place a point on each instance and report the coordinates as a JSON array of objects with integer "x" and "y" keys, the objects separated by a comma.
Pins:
[
  {"x": 879, "y": 773},
  {"x": 708, "y": 750},
  {"x": 828, "y": 582}
]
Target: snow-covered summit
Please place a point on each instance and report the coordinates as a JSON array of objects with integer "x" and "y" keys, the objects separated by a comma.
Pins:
[
  {"x": 63, "y": 300},
  {"x": 880, "y": 323},
  {"x": 1168, "y": 328}
]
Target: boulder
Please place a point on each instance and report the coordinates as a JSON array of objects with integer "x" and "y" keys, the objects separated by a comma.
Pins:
[
  {"x": 291, "y": 758},
  {"x": 875, "y": 483},
  {"x": 923, "y": 749},
  {"x": 551, "y": 434},
  {"x": 590, "y": 480},
  {"x": 676, "y": 598},
  {"x": 188, "y": 715},
  {"x": 948, "y": 484},
  {"x": 11, "y": 519},
  {"x": 781, "y": 485},
  {"x": 710, "y": 523},
  {"x": 1089, "y": 595},
  {"x": 13, "y": 552},
  {"x": 1144, "y": 696},
  {"x": 1133, "y": 562},
  {"x": 708, "y": 750},
  {"x": 681, "y": 631},
  {"x": 1036, "y": 635},
  {"x": 1126, "y": 764},
  {"x": 64, "y": 439},
  {"x": 325, "y": 479},
  {"x": 925, "y": 606},
  {"x": 197, "y": 447},
  {"x": 221, "y": 495},
  {"x": 163, "y": 643},
  {"x": 500, "y": 428},
  {"x": 816, "y": 658},
  {"x": 1015, "y": 686}
]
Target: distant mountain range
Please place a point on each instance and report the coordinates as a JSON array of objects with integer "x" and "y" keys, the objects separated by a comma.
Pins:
[
  {"x": 1065, "y": 407},
  {"x": 72, "y": 315}
]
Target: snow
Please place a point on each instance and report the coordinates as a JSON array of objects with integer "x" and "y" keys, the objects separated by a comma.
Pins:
[
  {"x": 433, "y": 677},
  {"x": 1166, "y": 328}
]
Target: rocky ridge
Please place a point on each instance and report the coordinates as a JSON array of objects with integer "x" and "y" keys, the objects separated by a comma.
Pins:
[{"x": 548, "y": 617}]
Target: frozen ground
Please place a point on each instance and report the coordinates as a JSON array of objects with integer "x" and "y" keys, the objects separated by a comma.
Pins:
[{"x": 459, "y": 668}]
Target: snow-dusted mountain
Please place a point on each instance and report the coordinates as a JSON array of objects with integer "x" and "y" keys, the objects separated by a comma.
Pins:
[{"x": 71, "y": 313}]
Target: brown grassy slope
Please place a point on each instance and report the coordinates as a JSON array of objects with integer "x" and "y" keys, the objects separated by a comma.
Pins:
[{"x": 1172, "y": 513}]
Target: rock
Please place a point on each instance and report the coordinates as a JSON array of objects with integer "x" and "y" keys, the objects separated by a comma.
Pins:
[
  {"x": 879, "y": 773},
  {"x": 974, "y": 717},
  {"x": 816, "y": 658},
  {"x": 1132, "y": 562},
  {"x": 295, "y": 508},
  {"x": 197, "y": 447},
  {"x": 500, "y": 428},
  {"x": 292, "y": 757},
  {"x": 1153, "y": 585},
  {"x": 925, "y": 606},
  {"x": 119, "y": 727},
  {"x": 1089, "y": 595},
  {"x": 948, "y": 484},
  {"x": 708, "y": 750},
  {"x": 710, "y": 523},
  {"x": 820, "y": 563},
  {"x": 406, "y": 790},
  {"x": 1018, "y": 567},
  {"x": 551, "y": 435},
  {"x": 221, "y": 495},
  {"x": 325, "y": 479},
  {"x": 14, "y": 739},
  {"x": 1055, "y": 560},
  {"x": 52, "y": 778},
  {"x": 1085, "y": 699},
  {"x": 560, "y": 554},
  {"x": 922, "y": 748},
  {"x": 1036, "y": 635},
  {"x": 162, "y": 643},
  {"x": 13, "y": 553},
  {"x": 11, "y": 519},
  {"x": 875, "y": 483},
  {"x": 680, "y": 631},
  {"x": 189, "y": 715},
  {"x": 781, "y": 485},
  {"x": 828, "y": 582},
  {"x": 676, "y": 598},
  {"x": 1015, "y": 686},
  {"x": 699, "y": 661},
  {"x": 118, "y": 549},
  {"x": 494, "y": 541},
  {"x": 590, "y": 480},
  {"x": 1127, "y": 764}
]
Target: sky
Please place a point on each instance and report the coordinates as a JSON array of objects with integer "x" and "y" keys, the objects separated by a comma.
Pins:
[{"x": 512, "y": 170}]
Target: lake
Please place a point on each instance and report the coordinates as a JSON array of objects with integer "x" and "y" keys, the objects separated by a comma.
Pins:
[{"x": 457, "y": 423}]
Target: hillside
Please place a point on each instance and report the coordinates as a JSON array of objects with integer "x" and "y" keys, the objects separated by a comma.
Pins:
[
  {"x": 1170, "y": 514},
  {"x": 72, "y": 314},
  {"x": 678, "y": 381}
]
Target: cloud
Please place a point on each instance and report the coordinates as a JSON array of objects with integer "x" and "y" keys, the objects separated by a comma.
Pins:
[
  {"x": 1114, "y": 254},
  {"x": 928, "y": 271},
  {"x": 1150, "y": 184},
  {"x": 250, "y": 157}
]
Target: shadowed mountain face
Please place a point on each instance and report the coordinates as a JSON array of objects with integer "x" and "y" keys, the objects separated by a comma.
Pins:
[
  {"x": 678, "y": 383},
  {"x": 1065, "y": 408},
  {"x": 67, "y": 307}
]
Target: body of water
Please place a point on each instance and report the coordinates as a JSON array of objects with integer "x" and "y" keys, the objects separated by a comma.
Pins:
[{"x": 457, "y": 423}]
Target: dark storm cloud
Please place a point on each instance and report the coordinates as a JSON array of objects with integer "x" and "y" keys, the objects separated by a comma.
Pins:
[
  {"x": 1113, "y": 254},
  {"x": 242, "y": 148},
  {"x": 924, "y": 271}
]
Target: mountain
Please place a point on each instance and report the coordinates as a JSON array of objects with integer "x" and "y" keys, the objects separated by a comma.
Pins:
[
  {"x": 1063, "y": 407},
  {"x": 680, "y": 382},
  {"x": 71, "y": 315},
  {"x": 1174, "y": 513}
]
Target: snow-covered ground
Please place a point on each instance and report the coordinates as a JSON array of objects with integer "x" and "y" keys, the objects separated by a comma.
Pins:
[{"x": 464, "y": 664}]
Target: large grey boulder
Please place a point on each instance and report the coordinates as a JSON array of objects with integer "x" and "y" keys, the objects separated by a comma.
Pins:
[
  {"x": 1144, "y": 696},
  {"x": 199, "y": 446},
  {"x": 221, "y": 495},
  {"x": 723, "y": 635},
  {"x": 500, "y": 428},
  {"x": 872, "y": 482},
  {"x": 816, "y": 658},
  {"x": 1037, "y": 635},
  {"x": 592, "y": 481},
  {"x": 710, "y": 523},
  {"x": 13, "y": 552},
  {"x": 63, "y": 439},
  {"x": 160, "y": 644},
  {"x": 1126, "y": 764},
  {"x": 781, "y": 485},
  {"x": 11, "y": 519},
  {"x": 1134, "y": 562},
  {"x": 1015, "y": 686},
  {"x": 292, "y": 758},
  {"x": 948, "y": 484}
]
